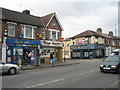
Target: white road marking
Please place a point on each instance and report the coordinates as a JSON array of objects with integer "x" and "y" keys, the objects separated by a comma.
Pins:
[
  {"x": 89, "y": 72},
  {"x": 41, "y": 84},
  {"x": 112, "y": 84}
]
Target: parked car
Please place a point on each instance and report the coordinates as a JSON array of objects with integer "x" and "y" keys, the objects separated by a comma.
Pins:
[
  {"x": 111, "y": 64},
  {"x": 8, "y": 68}
]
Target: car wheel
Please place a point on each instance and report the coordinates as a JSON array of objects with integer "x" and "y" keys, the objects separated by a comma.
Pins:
[{"x": 12, "y": 71}]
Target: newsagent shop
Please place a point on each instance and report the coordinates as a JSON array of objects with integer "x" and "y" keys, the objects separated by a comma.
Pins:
[{"x": 17, "y": 49}]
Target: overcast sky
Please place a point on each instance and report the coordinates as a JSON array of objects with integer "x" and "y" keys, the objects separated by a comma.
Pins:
[{"x": 75, "y": 16}]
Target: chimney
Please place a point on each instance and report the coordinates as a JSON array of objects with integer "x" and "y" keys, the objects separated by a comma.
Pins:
[
  {"x": 110, "y": 33},
  {"x": 26, "y": 12},
  {"x": 99, "y": 30}
]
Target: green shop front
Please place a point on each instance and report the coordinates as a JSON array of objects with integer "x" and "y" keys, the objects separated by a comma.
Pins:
[{"x": 17, "y": 48}]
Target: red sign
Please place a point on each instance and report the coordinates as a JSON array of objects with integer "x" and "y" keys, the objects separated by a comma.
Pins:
[{"x": 80, "y": 41}]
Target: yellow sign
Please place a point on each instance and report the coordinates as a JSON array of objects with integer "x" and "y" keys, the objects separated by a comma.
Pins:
[{"x": 40, "y": 35}]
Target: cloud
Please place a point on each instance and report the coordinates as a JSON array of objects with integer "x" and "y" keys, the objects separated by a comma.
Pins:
[{"x": 75, "y": 16}]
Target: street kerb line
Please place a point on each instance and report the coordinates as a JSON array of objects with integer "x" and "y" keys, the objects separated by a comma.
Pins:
[
  {"x": 46, "y": 83},
  {"x": 112, "y": 84}
]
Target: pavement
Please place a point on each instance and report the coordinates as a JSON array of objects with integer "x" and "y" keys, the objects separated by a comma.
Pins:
[{"x": 67, "y": 62}]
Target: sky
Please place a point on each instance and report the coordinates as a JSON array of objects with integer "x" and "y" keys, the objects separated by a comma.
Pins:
[{"x": 75, "y": 16}]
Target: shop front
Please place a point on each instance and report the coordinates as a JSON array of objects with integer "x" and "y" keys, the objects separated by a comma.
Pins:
[
  {"x": 22, "y": 51},
  {"x": 51, "y": 47},
  {"x": 86, "y": 50}
]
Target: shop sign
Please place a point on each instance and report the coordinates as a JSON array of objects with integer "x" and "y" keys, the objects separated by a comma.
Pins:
[
  {"x": 51, "y": 43},
  {"x": 20, "y": 42},
  {"x": 80, "y": 41}
]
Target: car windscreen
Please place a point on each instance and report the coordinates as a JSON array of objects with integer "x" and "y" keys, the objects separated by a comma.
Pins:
[{"x": 113, "y": 58}]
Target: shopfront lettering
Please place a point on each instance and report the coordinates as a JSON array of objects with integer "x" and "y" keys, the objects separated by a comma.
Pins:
[
  {"x": 51, "y": 43},
  {"x": 23, "y": 42},
  {"x": 18, "y": 41}
]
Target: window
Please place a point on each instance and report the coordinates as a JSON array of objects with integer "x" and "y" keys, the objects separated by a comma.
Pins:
[
  {"x": 67, "y": 44},
  {"x": 11, "y": 30},
  {"x": 66, "y": 52},
  {"x": 88, "y": 40},
  {"x": 54, "y": 34},
  {"x": 28, "y": 32},
  {"x": 43, "y": 34}
]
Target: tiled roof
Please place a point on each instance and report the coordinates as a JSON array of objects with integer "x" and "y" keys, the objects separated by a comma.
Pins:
[
  {"x": 47, "y": 18},
  {"x": 67, "y": 39},
  {"x": 87, "y": 33},
  {"x": 104, "y": 35},
  {"x": 21, "y": 17}
]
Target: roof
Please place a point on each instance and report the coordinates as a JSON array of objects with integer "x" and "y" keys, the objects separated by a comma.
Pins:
[
  {"x": 67, "y": 39},
  {"x": 104, "y": 35},
  {"x": 87, "y": 34},
  {"x": 48, "y": 18},
  {"x": 21, "y": 17}
]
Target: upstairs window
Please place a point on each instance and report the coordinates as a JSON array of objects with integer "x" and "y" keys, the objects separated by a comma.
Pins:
[
  {"x": 54, "y": 34},
  {"x": 11, "y": 30},
  {"x": 43, "y": 34},
  {"x": 28, "y": 32}
]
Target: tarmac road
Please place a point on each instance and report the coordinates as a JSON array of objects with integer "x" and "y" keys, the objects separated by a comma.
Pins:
[{"x": 84, "y": 75}]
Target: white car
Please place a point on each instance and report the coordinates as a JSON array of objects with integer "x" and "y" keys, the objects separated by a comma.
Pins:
[{"x": 8, "y": 68}]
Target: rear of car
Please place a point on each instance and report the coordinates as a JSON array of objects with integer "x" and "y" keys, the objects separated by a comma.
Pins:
[{"x": 111, "y": 64}]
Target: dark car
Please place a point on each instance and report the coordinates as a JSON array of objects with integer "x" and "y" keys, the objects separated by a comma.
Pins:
[{"x": 111, "y": 64}]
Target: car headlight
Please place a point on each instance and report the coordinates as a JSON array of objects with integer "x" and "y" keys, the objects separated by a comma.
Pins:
[
  {"x": 114, "y": 66},
  {"x": 101, "y": 65}
]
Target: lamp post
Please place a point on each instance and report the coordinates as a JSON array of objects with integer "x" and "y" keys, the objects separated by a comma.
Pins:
[
  {"x": 64, "y": 51},
  {"x": 4, "y": 46}
]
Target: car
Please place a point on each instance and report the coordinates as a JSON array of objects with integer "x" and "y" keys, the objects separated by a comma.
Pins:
[
  {"x": 111, "y": 64},
  {"x": 8, "y": 68}
]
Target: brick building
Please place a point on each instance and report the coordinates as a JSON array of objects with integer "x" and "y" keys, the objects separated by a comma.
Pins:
[
  {"x": 22, "y": 32},
  {"x": 90, "y": 42}
]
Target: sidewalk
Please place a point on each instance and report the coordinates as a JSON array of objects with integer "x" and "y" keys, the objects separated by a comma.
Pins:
[{"x": 68, "y": 62}]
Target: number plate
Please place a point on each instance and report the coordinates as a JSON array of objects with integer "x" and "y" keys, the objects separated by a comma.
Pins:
[{"x": 106, "y": 68}]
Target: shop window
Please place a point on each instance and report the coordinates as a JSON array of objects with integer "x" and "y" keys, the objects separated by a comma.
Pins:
[
  {"x": 76, "y": 54},
  {"x": 86, "y": 54},
  {"x": 11, "y": 30}
]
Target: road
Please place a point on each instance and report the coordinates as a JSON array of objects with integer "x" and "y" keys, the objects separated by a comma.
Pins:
[{"x": 83, "y": 75}]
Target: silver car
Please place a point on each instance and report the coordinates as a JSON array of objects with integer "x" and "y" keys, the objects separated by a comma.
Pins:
[{"x": 8, "y": 68}]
